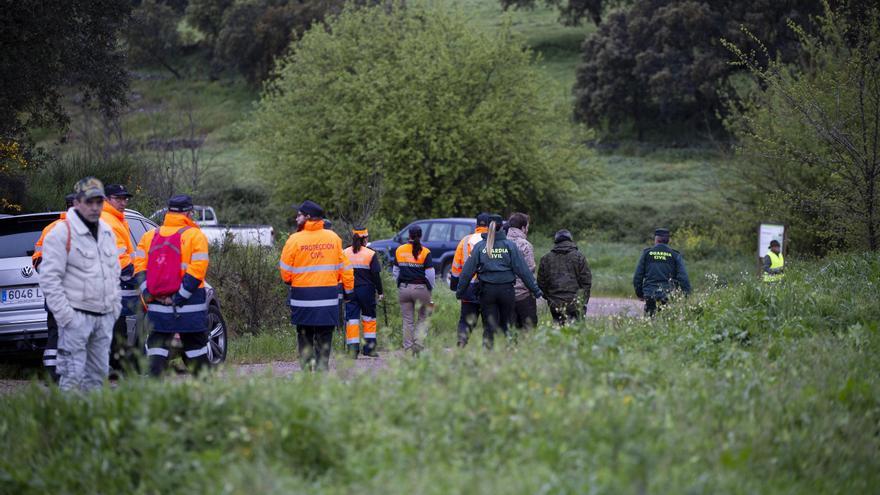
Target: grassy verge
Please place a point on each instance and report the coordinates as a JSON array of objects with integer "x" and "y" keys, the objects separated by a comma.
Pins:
[{"x": 748, "y": 389}]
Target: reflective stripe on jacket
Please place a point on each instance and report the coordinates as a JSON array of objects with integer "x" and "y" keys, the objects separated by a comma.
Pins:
[
  {"x": 191, "y": 316},
  {"x": 313, "y": 264},
  {"x": 464, "y": 250},
  {"x": 411, "y": 270},
  {"x": 366, "y": 268}
]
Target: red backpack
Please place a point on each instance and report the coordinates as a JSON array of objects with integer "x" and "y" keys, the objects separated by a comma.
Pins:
[{"x": 163, "y": 264}]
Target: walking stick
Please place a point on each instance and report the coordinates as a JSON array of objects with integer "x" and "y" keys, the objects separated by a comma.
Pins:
[{"x": 385, "y": 311}]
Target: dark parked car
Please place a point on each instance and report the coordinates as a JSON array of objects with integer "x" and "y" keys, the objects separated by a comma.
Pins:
[
  {"x": 22, "y": 317},
  {"x": 440, "y": 235}
]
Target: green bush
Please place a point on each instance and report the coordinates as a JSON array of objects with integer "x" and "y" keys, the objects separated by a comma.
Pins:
[
  {"x": 414, "y": 107},
  {"x": 252, "y": 295}
]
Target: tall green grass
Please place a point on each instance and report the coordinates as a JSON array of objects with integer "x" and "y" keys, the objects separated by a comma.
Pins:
[{"x": 748, "y": 389}]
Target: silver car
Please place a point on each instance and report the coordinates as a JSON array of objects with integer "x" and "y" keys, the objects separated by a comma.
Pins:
[{"x": 22, "y": 314}]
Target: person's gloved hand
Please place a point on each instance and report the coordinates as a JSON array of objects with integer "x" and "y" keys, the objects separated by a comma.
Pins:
[
  {"x": 539, "y": 295},
  {"x": 381, "y": 297}
]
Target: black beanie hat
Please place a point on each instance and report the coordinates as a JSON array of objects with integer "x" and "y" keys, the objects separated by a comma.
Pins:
[{"x": 562, "y": 235}]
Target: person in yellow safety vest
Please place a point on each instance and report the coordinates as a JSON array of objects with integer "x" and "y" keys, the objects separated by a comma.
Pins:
[
  {"x": 470, "y": 303},
  {"x": 50, "y": 352},
  {"x": 114, "y": 215},
  {"x": 185, "y": 312},
  {"x": 312, "y": 264},
  {"x": 774, "y": 263},
  {"x": 367, "y": 283}
]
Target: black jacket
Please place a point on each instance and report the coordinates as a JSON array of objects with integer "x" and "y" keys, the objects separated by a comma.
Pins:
[{"x": 660, "y": 271}]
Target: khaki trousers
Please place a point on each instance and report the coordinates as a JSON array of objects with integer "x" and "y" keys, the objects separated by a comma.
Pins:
[{"x": 411, "y": 298}]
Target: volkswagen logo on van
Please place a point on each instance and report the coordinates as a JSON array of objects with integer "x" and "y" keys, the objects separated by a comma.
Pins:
[{"x": 27, "y": 272}]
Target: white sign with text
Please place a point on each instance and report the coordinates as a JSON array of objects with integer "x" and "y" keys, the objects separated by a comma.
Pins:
[{"x": 767, "y": 233}]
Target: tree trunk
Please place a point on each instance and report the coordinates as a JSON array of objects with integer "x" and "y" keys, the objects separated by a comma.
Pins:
[{"x": 871, "y": 210}]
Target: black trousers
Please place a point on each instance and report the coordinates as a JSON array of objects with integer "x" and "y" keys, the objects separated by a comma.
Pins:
[
  {"x": 653, "y": 305},
  {"x": 565, "y": 312},
  {"x": 124, "y": 357},
  {"x": 314, "y": 344},
  {"x": 50, "y": 353},
  {"x": 496, "y": 304},
  {"x": 525, "y": 313},
  {"x": 467, "y": 321},
  {"x": 195, "y": 350}
]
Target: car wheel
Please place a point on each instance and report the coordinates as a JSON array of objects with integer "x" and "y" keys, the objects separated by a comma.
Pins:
[{"x": 216, "y": 336}]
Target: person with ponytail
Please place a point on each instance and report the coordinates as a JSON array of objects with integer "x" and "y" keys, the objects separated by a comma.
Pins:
[
  {"x": 362, "y": 305},
  {"x": 414, "y": 272},
  {"x": 497, "y": 262}
]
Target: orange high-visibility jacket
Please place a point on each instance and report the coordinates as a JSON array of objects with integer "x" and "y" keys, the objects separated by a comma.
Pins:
[
  {"x": 116, "y": 220},
  {"x": 463, "y": 251},
  {"x": 313, "y": 264},
  {"x": 191, "y": 316},
  {"x": 37, "y": 257}
]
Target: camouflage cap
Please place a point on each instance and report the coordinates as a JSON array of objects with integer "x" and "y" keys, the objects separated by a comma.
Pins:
[{"x": 88, "y": 188}]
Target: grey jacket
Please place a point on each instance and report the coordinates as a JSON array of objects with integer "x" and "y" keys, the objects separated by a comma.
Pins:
[
  {"x": 86, "y": 277},
  {"x": 528, "y": 253}
]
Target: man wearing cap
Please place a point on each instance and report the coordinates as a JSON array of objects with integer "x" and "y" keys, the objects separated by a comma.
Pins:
[
  {"x": 774, "y": 263},
  {"x": 563, "y": 272},
  {"x": 50, "y": 352},
  {"x": 79, "y": 277},
  {"x": 660, "y": 271},
  {"x": 312, "y": 264},
  {"x": 470, "y": 301},
  {"x": 114, "y": 215},
  {"x": 185, "y": 312}
]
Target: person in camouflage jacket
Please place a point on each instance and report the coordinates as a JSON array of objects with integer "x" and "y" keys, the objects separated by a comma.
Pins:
[{"x": 564, "y": 271}]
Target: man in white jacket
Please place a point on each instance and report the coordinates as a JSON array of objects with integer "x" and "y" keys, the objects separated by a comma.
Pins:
[{"x": 79, "y": 277}]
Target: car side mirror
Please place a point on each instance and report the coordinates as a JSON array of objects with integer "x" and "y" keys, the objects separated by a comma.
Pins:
[{"x": 398, "y": 239}]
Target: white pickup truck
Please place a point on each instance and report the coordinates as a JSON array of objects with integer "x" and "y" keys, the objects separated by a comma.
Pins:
[{"x": 253, "y": 235}]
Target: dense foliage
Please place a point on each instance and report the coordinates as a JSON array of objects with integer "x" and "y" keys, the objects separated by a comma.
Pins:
[
  {"x": 416, "y": 108},
  {"x": 50, "y": 47},
  {"x": 248, "y": 36},
  {"x": 571, "y": 12},
  {"x": 661, "y": 62},
  {"x": 752, "y": 389},
  {"x": 808, "y": 134},
  {"x": 152, "y": 36}
]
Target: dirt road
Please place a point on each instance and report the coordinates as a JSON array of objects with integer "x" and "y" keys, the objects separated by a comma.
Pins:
[{"x": 599, "y": 307}]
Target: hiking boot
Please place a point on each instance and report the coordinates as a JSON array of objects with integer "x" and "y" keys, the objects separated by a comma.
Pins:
[
  {"x": 370, "y": 348},
  {"x": 354, "y": 350}
]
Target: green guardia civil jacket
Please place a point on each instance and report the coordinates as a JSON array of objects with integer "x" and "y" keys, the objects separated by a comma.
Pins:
[
  {"x": 660, "y": 271},
  {"x": 501, "y": 267}
]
